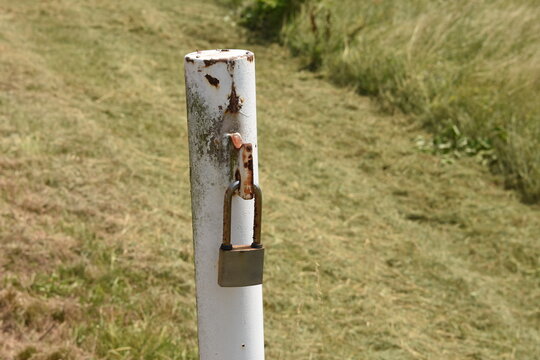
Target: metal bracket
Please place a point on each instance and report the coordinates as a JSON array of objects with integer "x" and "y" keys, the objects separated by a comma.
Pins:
[{"x": 244, "y": 171}]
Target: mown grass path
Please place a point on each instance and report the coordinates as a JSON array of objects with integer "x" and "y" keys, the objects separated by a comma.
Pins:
[{"x": 375, "y": 250}]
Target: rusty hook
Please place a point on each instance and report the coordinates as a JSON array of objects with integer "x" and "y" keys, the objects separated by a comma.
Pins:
[{"x": 245, "y": 166}]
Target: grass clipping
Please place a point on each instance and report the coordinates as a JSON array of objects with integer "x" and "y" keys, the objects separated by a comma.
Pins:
[{"x": 468, "y": 70}]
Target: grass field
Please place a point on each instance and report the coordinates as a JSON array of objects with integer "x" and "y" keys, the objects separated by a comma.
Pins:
[
  {"x": 469, "y": 71},
  {"x": 376, "y": 250}
]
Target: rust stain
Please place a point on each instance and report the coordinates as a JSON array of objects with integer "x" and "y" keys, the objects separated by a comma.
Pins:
[
  {"x": 244, "y": 170},
  {"x": 190, "y": 60},
  {"x": 210, "y": 62},
  {"x": 231, "y": 62},
  {"x": 236, "y": 139},
  {"x": 230, "y": 65},
  {"x": 212, "y": 80},
  {"x": 246, "y": 174},
  {"x": 234, "y": 101},
  {"x": 250, "y": 57}
]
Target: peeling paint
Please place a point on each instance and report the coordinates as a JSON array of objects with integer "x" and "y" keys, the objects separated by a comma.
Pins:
[
  {"x": 234, "y": 101},
  {"x": 212, "y": 80},
  {"x": 210, "y": 62},
  {"x": 208, "y": 134},
  {"x": 230, "y": 65}
]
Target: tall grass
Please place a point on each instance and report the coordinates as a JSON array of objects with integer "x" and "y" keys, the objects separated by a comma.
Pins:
[{"x": 469, "y": 70}]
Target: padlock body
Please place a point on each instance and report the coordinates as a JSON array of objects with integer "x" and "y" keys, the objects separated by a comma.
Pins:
[{"x": 241, "y": 266}]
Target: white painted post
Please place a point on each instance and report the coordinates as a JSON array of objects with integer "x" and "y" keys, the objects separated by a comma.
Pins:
[{"x": 220, "y": 92}]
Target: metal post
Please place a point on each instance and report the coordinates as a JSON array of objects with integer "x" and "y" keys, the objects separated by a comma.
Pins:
[{"x": 220, "y": 92}]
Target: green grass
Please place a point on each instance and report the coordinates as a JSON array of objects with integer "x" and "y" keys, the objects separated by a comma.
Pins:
[
  {"x": 467, "y": 70},
  {"x": 375, "y": 250}
]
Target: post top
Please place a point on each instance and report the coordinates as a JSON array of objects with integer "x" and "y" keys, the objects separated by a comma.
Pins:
[{"x": 219, "y": 55}]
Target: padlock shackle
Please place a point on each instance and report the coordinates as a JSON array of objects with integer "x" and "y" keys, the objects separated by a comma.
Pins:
[
  {"x": 257, "y": 195},
  {"x": 227, "y": 215}
]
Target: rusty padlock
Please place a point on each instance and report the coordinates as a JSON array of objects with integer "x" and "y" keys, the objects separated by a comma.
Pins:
[{"x": 241, "y": 265}]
